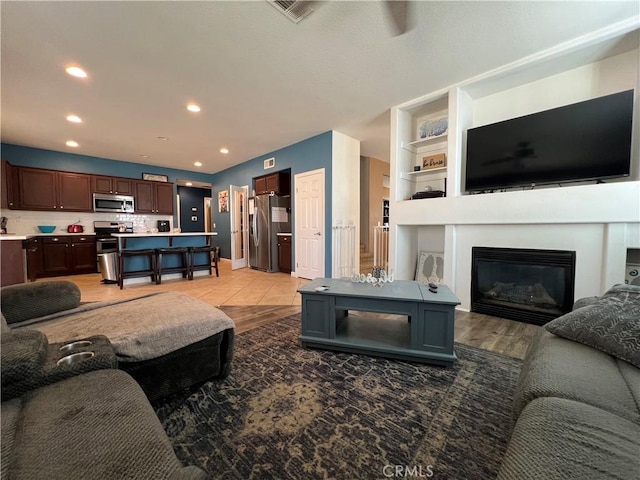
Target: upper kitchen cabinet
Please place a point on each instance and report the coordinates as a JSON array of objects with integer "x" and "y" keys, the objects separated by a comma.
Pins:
[
  {"x": 41, "y": 189},
  {"x": 115, "y": 185},
  {"x": 9, "y": 192},
  {"x": 154, "y": 197},
  {"x": 278, "y": 183}
]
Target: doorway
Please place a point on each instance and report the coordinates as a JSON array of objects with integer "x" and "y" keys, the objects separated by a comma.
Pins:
[
  {"x": 309, "y": 228},
  {"x": 238, "y": 206},
  {"x": 192, "y": 209}
]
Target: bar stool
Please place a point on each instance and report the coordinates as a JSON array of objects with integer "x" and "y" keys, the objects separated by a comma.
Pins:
[
  {"x": 184, "y": 268},
  {"x": 151, "y": 271},
  {"x": 214, "y": 254}
]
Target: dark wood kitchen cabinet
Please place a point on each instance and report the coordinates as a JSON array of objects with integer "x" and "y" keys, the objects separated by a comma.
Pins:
[
  {"x": 68, "y": 255},
  {"x": 154, "y": 197},
  {"x": 115, "y": 185},
  {"x": 41, "y": 189},
  {"x": 9, "y": 182},
  {"x": 284, "y": 253},
  {"x": 279, "y": 183}
]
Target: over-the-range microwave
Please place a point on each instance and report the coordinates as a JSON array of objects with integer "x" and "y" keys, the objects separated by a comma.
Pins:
[{"x": 112, "y": 203}]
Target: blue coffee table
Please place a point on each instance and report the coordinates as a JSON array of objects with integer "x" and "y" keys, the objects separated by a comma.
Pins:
[{"x": 423, "y": 332}]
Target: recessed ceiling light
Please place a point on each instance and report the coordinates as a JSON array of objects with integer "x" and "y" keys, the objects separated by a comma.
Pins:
[
  {"x": 72, "y": 143},
  {"x": 197, "y": 164},
  {"x": 188, "y": 184},
  {"x": 224, "y": 150},
  {"x": 163, "y": 138},
  {"x": 74, "y": 119},
  {"x": 144, "y": 156},
  {"x": 76, "y": 72},
  {"x": 192, "y": 107}
]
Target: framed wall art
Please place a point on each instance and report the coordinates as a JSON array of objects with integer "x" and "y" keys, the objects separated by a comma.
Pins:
[
  {"x": 430, "y": 267},
  {"x": 223, "y": 201},
  {"x": 155, "y": 177}
]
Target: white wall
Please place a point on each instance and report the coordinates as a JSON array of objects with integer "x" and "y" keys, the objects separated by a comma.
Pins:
[{"x": 345, "y": 179}]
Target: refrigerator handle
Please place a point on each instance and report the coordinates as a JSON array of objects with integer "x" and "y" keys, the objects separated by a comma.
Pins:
[{"x": 255, "y": 229}]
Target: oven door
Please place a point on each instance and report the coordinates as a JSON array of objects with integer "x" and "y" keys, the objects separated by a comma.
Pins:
[{"x": 106, "y": 245}]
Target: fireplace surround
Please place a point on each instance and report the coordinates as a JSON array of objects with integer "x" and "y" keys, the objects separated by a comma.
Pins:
[{"x": 533, "y": 286}]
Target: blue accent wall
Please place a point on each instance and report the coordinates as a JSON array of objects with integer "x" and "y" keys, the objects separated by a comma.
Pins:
[
  {"x": 191, "y": 198},
  {"x": 310, "y": 154}
]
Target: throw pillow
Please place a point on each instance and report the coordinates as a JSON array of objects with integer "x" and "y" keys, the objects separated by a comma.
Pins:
[{"x": 610, "y": 324}]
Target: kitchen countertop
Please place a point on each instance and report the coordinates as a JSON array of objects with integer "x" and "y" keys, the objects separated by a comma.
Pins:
[
  {"x": 13, "y": 236},
  {"x": 26, "y": 236},
  {"x": 162, "y": 234},
  {"x": 284, "y": 234}
]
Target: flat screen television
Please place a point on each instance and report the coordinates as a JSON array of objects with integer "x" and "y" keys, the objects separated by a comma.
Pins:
[{"x": 589, "y": 140}]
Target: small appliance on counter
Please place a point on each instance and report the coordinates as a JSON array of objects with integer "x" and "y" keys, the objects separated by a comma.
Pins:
[
  {"x": 3, "y": 224},
  {"x": 163, "y": 226},
  {"x": 75, "y": 228}
]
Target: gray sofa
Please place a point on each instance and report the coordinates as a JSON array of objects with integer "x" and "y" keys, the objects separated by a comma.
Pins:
[
  {"x": 90, "y": 416},
  {"x": 167, "y": 341},
  {"x": 577, "y": 402},
  {"x": 81, "y": 419}
]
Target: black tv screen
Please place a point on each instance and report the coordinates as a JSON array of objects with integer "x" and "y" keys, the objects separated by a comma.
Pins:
[{"x": 589, "y": 140}]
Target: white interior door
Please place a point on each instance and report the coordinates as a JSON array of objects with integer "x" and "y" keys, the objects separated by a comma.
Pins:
[
  {"x": 309, "y": 231},
  {"x": 239, "y": 226}
]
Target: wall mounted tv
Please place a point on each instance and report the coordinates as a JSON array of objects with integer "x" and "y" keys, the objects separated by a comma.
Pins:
[{"x": 590, "y": 140}]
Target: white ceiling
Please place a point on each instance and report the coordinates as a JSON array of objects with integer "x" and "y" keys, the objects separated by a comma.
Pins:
[{"x": 262, "y": 81}]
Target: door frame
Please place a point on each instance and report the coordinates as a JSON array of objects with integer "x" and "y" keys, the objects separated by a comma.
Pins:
[{"x": 242, "y": 262}]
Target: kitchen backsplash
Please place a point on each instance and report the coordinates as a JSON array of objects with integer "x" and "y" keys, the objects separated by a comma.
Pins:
[{"x": 25, "y": 222}]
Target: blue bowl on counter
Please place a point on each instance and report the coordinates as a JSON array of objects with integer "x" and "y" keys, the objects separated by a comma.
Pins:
[{"x": 46, "y": 228}]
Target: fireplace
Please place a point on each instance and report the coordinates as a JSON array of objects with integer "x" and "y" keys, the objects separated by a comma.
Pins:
[{"x": 533, "y": 286}]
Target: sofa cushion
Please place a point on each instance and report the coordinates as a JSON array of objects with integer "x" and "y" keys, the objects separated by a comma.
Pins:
[
  {"x": 96, "y": 425},
  {"x": 557, "y": 439},
  {"x": 611, "y": 324},
  {"x": 31, "y": 300},
  {"x": 557, "y": 367}
]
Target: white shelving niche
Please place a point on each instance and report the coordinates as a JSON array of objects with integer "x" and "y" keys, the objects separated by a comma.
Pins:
[{"x": 412, "y": 149}]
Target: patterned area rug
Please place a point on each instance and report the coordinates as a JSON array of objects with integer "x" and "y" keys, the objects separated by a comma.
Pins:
[{"x": 289, "y": 413}]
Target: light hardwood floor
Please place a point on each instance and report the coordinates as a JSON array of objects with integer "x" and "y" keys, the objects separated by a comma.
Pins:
[{"x": 252, "y": 298}]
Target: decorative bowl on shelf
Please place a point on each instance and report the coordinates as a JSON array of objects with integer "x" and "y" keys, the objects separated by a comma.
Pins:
[{"x": 46, "y": 228}]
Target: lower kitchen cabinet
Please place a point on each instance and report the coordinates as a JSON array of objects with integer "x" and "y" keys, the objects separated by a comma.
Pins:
[
  {"x": 67, "y": 255},
  {"x": 284, "y": 253}
]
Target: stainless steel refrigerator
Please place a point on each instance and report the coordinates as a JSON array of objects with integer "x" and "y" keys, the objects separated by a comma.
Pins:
[{"x": 271, "y": 214}]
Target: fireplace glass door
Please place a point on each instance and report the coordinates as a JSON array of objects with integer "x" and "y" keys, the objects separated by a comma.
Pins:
[{"x": 533, "y": 286}]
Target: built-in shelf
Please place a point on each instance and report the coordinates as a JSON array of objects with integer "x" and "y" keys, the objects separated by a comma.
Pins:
[
  {"x": 423, "y": 142},
  {"x": 421, "y": 173}
]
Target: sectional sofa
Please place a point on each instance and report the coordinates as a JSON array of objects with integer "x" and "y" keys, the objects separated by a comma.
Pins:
[{"x": 577, "y": 403}]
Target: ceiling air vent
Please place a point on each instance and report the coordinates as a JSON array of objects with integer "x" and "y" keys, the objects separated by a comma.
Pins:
[
  {"x": 270, "y": 163},
  {"x": 292, "y": 9}
]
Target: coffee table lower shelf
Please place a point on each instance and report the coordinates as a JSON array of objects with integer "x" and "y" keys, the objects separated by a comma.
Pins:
[{"x": 388, "y": 338}]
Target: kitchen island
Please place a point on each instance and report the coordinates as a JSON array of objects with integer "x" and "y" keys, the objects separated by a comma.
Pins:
[{"x": 162, "y": 240}]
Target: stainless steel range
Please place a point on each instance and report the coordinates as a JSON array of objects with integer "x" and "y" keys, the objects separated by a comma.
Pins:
[{"x": 105, "y": 241}]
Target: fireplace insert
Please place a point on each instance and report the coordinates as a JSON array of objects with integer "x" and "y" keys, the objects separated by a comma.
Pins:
[{"x": 533, "y": 286}]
